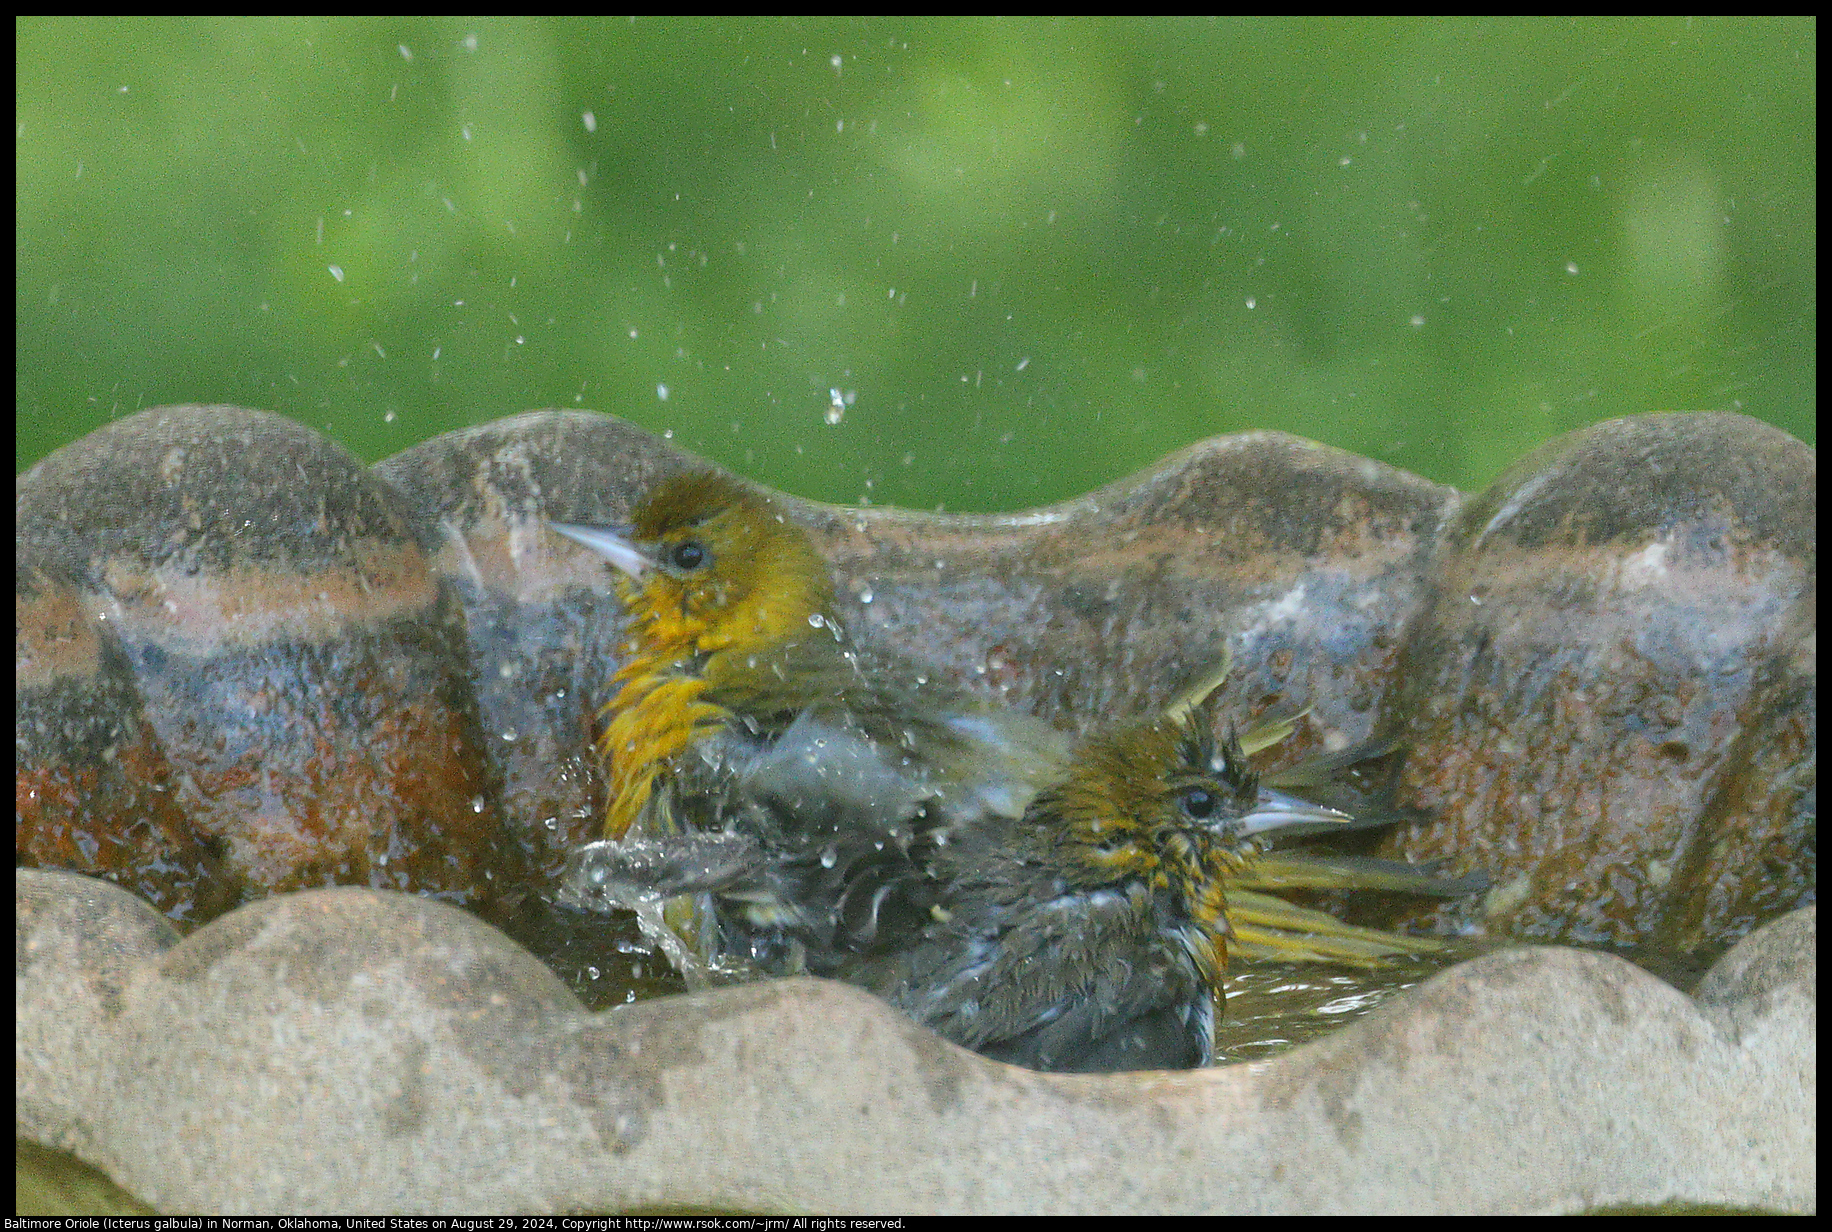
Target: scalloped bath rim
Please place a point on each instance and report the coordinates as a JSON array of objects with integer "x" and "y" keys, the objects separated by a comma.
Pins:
[
  {"x": 247, "y": 663},
  {"x": 350, "y": 1050}
]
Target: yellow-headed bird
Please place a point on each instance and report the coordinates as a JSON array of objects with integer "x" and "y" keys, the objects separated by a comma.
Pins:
[
  {"x": 837, "y": 814},
  {"x": 742, "y": 686}
]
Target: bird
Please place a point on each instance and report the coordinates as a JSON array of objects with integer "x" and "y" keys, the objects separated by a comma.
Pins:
[
  {"x": 1091, "y": 933},
  {"x": 784, "y": 802},
  {"x": 741, "y": 685}
]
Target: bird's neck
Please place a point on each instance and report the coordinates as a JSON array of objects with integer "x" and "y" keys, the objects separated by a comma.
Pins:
[
  {"x": 688, "y": 670},
  {"x": 1190, "y": 890},
  {"x": 1203, "y": 933},
  {"x": 788, "y": 600}
]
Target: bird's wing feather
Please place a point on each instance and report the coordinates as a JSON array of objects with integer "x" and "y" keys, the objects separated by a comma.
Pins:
[{"x": 1036, "y": 979}]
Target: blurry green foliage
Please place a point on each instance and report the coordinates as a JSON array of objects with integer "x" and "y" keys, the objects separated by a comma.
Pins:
[{"x": 1031, "y": 256}]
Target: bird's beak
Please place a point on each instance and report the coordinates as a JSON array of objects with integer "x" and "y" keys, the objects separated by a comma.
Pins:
[
  {"x": 614, "y": 548},
  {"x": 1289, "y": 816}
]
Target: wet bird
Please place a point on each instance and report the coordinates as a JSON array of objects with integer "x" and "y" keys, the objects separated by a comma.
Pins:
[
  {"x": 741, "y": 688},
  {"x": 1090, "y": 933},
  {"x": 783, "y": 801}
]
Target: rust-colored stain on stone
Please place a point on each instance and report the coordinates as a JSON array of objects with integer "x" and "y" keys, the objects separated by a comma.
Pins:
[{"x": 248, "y": 663}]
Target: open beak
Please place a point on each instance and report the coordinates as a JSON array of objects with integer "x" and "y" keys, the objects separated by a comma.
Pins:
[
  {"x": 614, "y": 548},
  {"x": 1286, "y": 815}
]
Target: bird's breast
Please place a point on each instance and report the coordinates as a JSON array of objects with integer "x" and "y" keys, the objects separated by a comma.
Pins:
[{"x": 655, "y": 718}]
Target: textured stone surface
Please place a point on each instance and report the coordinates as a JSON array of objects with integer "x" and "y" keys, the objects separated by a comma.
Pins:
[
  {"x": 230, "y": 642},
  {"x": 352, "y": 1050},
  {"x": 1609, "y": 700},
  {"x": 248, "y": 665}
]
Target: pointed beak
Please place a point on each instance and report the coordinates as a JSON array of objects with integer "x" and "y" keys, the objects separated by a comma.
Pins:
[
  {"x": 614, "y": 548},
  {"x": 1288, "y": 816}
]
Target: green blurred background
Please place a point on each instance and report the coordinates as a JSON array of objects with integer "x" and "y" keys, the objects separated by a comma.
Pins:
[{"x": 1024, "y": 257}]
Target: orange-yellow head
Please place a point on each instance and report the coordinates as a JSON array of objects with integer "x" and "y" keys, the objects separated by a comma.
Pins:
[
  {"x": 717, "y": 581},
  {"x": 1157, "y": 800},
  {"x": 710, "y": 565},
  {"x": 1157, "y": 803}
]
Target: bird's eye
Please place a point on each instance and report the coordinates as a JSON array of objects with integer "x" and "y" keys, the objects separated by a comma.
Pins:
[
  {"x": 1198, "y": 802},
  {"x": 687, "y": 555}
]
